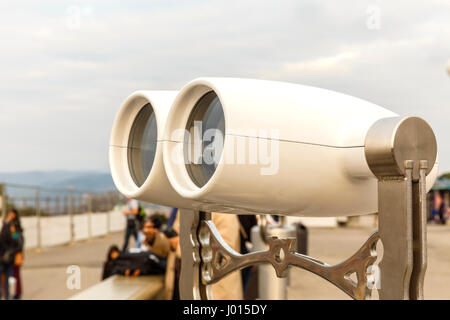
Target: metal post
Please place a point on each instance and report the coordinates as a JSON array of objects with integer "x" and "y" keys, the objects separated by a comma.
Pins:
[
  {"x": 419, "y": 195},
  {"x": 38, "y": 219},
  {"x": 89, "y": 209},
  {"x": 72, "y": 226},
  {"x": 191, "y": 286},
  {"x": 65, "y": 205},
  {"x": 4, "y": 200},
  {"x": 81, "y": 206},
  {"x": 398, "y": 152},
  {"x": 108, "y": 221},
  {"x": 47, "y": 204},
  {"x": 270, "y": 287},
  {"x": 396, "y": 235},
  {"x": 57, "y": 205},
  {"x": 109, "y": 212}
]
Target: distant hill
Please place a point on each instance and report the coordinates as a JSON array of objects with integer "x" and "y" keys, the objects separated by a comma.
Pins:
[{"x": 82, "y": 180}]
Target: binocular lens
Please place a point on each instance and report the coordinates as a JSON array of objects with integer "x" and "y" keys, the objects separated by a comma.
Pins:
[
  {"x": 142, "y": 144},
  {"x": 203, "y": 143}
]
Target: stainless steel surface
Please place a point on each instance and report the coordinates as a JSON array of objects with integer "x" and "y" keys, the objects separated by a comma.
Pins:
[
  {"x": 262, "y": 223},
  {"x": 401, "y": 152},
  {"x": 419, "y": 235},
  {"x": 191, "y": 287},
  {"x": 395, "y": 228},
  {"x": 218, "y": 260},
  {"x": 271, "y": 287},
  {"x": 402, "y": 227},
  {"x": 392, "y": 141}
]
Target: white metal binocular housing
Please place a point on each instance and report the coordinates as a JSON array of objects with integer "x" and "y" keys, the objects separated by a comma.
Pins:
[
  {"x": 276, "y": 148},
  {"x": 248, "y": 146}
]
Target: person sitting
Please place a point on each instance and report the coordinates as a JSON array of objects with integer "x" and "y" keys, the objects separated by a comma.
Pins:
[
  {"x": 132, "y": 263},
  {"x": 139, "y": 264},
  {"x": 154, "y": 240},
  {"x": 108, "y": 266}
]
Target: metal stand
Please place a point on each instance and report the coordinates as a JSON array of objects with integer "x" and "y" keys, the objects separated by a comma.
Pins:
[
  {"x": 191, "y": 284},
  {"x": 398, "y": 152},
  {"x": 403, "y": 235},
  {"x": 271, "y": 287}
]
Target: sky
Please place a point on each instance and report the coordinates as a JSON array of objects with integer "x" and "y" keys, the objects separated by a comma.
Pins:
[{"x": 66, "y": 66}]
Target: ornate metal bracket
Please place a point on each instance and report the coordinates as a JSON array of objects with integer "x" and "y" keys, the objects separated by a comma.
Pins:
[
  {"x": 218, "y": 260},
  {"x": 209, "y": 259}
]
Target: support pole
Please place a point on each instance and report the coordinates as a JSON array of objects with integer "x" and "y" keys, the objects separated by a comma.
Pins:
[
  {"x": 72, "y": 226},
  {"x": 191, "y": 287},
  {"x": 108, "y": 215},
  {"x": 38, "y": 220},
  {"x": 89, "y": 211},
  {"x": 398, "y": 152},
  {"x": 4, "y": 200}
]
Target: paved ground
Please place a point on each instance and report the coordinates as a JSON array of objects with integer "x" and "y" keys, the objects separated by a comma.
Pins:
[{"x": 44, "y": 274}]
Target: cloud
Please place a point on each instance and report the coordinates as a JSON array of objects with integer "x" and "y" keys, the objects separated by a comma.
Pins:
[
  {"x": 64, "y": 77},
  {"x": 337, "y": 63}
]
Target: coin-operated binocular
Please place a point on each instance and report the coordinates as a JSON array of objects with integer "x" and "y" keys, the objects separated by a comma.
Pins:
[
  {"x": 135, "y": 151},
  {"x": 248, "y": 146}
]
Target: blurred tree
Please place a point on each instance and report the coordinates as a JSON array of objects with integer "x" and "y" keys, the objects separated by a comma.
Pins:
[{"x": 445, "y": 175}]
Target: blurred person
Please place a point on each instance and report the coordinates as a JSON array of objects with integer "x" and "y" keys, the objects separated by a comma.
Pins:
[
  {"x": 439, "y": 213},
  {"x": 246, "y": 223},
  {"x": 18, "y": 245},
  {"x": 131, "y": 211},
  {"x": 154, "y": 240},
  {"x": 9, "y": 247},
  {"x": 140, "y": 235},
  {"x": 5, "y": 260},
  {"x": 108, "y": 266},
  {"x": 140, "y": 217},
  {"x": 442, "y": 211},
  {"x": 139, "y": 263},
  {"x": 172, "y": 217},
  {"x": 173, "y": 269},
  {"x": 437, "y": 203},
  {"x": 140, "y": 238},
  {"x": 132, "y": 263}
]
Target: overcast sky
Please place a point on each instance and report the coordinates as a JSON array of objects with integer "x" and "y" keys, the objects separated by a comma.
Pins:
[{"x": 66, "y": 66}]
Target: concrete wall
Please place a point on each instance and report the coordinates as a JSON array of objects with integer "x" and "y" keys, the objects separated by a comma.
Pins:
[{"x": 56, "y": 230}]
